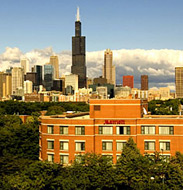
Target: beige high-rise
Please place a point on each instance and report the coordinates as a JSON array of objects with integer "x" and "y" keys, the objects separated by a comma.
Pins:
[
  {"x": 25, "y": 65},
  {"x": 55, "y": 64},
  {"x": 5, "y": 84},
  {"x": 17, "y": 80},
  {"x": 179, "y": 81},
  {"x": 109, "y": 71}
]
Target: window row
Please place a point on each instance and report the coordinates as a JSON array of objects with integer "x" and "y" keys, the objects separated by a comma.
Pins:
[
  {"x": 120, "y": 130},
  {"x": 108, "y": 145},
  {"x": 80, "y": 146},
  {"x": 64, "y": 159},
  {"x": 163, "y": 146}
]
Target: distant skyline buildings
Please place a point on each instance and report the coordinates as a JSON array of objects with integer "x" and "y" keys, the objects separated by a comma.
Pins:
[
  {"x": 157, "y": 69},
  {"x": 144, "y": 82}
]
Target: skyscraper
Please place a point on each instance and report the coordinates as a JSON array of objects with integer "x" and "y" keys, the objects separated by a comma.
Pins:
[
  {"x": 78, "y": 54},
  {"x": 179, "y": 81},
  {"x": 109, "y": 71},
  {"x": 48, "y": 76},
  {"x": 55, "y": 64},
  {"x": 128, "y": 81},
  {"x": 144, "y": 82},
  {"x": 38, "y": 70},
  {"x": 17, "y": 80},
  {"x": 25, "y": 65}
]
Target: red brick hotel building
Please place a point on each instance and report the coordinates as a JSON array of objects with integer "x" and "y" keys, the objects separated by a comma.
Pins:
[{"x": 106, "y": 129}]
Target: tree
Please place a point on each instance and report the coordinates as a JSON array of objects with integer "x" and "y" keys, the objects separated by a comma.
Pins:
[{"x": 55, "y": 110}]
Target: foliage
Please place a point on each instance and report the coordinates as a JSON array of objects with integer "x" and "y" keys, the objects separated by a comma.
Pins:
[
  {"x": 27, "y": 108},
  {"x": 55, "y": 110},
  {"x": 167, "y": 107}
]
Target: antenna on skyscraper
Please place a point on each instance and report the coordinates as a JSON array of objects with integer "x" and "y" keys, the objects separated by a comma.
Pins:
[{"x": 77, "y": 15}]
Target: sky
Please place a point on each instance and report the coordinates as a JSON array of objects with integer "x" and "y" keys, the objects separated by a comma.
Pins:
[{"x": 146, "y": 36}]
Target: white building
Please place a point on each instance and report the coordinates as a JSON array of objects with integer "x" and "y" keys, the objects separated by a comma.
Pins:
[
  {"x": 71, "y": 80},
  {"x": 25, "y": 65}
]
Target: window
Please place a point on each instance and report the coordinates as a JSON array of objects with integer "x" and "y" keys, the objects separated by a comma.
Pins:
[
  {"x": 107, "y": 145},
  {"x": 120, "y": 146},
  {"x": 64, "y": 159},
  {"x": 166, "y": 130},
  {"x": 51, "y": 157},
  {"x": 164, "y": 146},
  {"x": 50, "y": 129},
  {"x": 50, "y": 144},
  {"x": 64, "y": 145},
  {"x": 97, "y": 108},
  {"x": 149, "y": 145},
  {"x": 106, "y": 130},
  {"x": 80, "y": 130},
  {"x": 123, "y": 130},
  {"x": 64, "y": 130},
  {"x": 147, "y": 130},
  {"x": 80, "y": 146}
]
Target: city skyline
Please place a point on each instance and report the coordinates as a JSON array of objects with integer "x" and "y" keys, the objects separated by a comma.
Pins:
[{"x": 130, "y": 56}]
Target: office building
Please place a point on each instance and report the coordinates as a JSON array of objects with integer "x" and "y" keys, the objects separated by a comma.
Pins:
[
  {"x": 78, "y": 54},
  {"x": 55, "y": 63},
  {"x": 25, "y": 65},
  {"x": 48, "y": 76},
  {"x": 179, "y": 82},
  {"x": 106, "y": 129},
  {"x": 38, "y": 70},
  {"x": 144, "y": 82},
  {"x": 128, "y": 81},
  {"x": 17, "y": 80},
  {"x": 109, "y": 71},
  {"x": 31, "y": 76}
]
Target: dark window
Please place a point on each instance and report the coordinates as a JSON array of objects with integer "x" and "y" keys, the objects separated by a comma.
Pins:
[{"x": 97, "y": 108}]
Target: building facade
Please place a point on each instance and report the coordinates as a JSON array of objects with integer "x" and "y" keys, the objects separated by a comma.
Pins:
[
  {"x": 109, "y": 72},
  {"x": 144, "y": 82},
  {"x": 38, "y": 69},
  {"x": 106, "y": 130},
  {"x": 128, "y": 80},
  {"x": 78, "y": 54},
  {"x": 179, "y": 82}
]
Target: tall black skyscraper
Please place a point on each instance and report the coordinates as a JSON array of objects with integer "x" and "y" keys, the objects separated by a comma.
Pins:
[{"x": 78, "y": 54}]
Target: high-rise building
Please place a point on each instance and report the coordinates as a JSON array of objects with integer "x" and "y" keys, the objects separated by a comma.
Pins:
[
  {"x": 128, "y": 81},
  {"x": 17, "y": 80},
  {"x": 144, "y": 82},
  {"x": 48, "y": 76},
  {"x": 38, "y": 70},
  {"x": 78, "y": 54},
  {"x": 55, "y": 64},
  {"x": 25, "y": 65},
  {"x": 28, "y": 87},
  {"x": 109, "y": 71},
  {"x": 179, "y": 81}
]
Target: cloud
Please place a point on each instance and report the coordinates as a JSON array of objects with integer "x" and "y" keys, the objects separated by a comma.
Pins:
[{"x": 159, "y": 65}]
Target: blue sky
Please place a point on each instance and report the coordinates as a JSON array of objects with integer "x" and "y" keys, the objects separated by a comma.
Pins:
[{"x": 116, "y": 24}]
